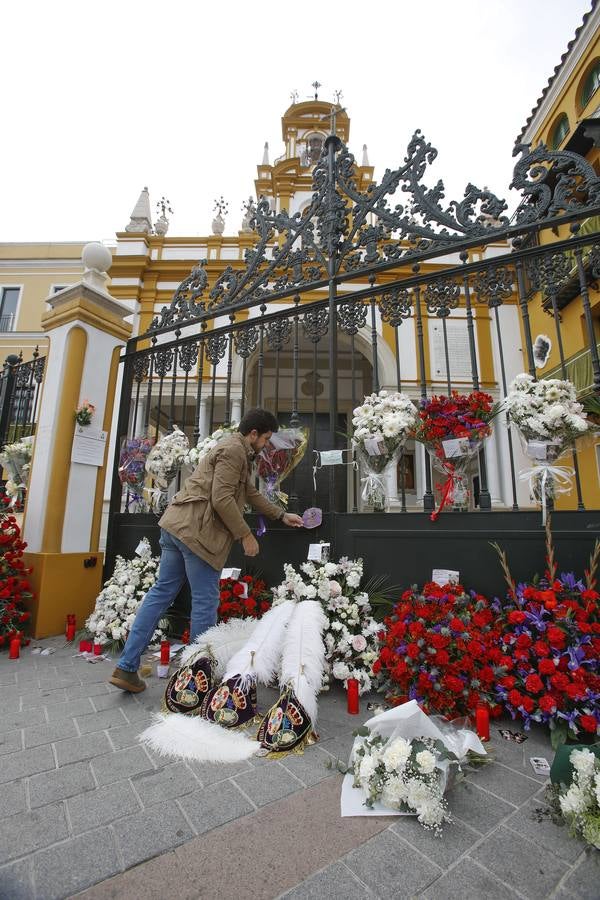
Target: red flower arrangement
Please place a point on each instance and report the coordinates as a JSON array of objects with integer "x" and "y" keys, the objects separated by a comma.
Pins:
[
  {"x": 243, "y": 598},
  {"x": 14, "y": 587},
  {"x": 440, "y": 647},
  {"x": 551, "y": 633},
  {"x": 452, "y": 429}
]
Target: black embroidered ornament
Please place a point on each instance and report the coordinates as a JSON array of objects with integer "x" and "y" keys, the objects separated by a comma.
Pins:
[
  {"x": 230, "y": 704},
  {"x": 188, "y": 687},
  {"x": 285, "y": 727}
]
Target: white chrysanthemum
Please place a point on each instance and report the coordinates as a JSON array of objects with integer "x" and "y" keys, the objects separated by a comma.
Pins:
[
  {"x": 583, "y": 761},
  {"x": 396, "y": 755},
  {"x": 425, "y": 761},
  {"x": 575, "y": 801}
]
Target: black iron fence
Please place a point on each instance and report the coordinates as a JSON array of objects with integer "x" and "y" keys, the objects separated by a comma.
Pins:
[{"x": 20, "y": 388}]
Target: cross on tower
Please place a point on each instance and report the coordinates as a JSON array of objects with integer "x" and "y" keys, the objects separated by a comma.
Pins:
[{"x": 316, "y": 85}]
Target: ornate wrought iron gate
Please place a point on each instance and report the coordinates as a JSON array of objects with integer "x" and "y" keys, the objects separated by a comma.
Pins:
[{"x": 321, "y": 287}]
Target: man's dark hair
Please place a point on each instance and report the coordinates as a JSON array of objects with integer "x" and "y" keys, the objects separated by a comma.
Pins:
[{"x": 260, "y": 419}]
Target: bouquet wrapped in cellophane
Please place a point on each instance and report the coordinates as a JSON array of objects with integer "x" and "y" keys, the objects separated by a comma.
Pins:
[
  {"x": 163, "y": 463},
  {"x": 132, "y": 470},
  {"x": 278, "y": 458}
]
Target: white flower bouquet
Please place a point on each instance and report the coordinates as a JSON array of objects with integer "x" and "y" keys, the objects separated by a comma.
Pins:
[
  {"x": 164, "y": 462},
  {"x": 403, "y": 762},
  {"x": 549, "y": 420},
  {"x": 16, "y": 459},
  {"x": 578, "y": 804},
  {"x": 195, "y": 454},
  {"x": 382, "y": 425},
  {"x": 118, "y": 602},
  {"x": 351, "y": 644}
]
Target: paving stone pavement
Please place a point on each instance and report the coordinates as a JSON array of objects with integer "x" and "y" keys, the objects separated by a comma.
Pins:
[{"x": 86, "y": 811}]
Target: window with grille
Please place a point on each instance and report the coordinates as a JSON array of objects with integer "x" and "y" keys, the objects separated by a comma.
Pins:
[
  {"x": 9, "y": 299},
  {"x": 591, "y": 84},
  {"x": 561, "y": 130}
]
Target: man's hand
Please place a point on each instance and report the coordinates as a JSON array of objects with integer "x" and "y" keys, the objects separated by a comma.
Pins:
[
  {"x": 250, "y": 545},
  {"x": 292, "y": 520}
]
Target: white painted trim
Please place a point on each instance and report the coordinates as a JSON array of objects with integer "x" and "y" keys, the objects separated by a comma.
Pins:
[
  {"x": 41, "y": 263},
  {"x": 583, "y": 41}
]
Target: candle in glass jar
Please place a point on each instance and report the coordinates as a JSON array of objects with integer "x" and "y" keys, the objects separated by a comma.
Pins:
[
  {"x": 482, "y": 722},
  {"x": 165, "y": 653},
  {"x": 97, "y": 649},
  {"x": 352, "y": 696},
  {"x": 14, "y": 648},
  {"x": 70, "y": 632}
]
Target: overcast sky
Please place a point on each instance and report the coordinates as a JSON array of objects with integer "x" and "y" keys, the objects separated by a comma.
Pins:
[{"x": 100, "y": 99}]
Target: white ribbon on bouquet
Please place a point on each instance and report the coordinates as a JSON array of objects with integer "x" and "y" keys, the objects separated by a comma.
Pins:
[{"x": 561, "y": 481}]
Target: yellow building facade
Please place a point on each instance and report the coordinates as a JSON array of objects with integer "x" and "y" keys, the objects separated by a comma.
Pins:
[{"x": 567, "y": 117}]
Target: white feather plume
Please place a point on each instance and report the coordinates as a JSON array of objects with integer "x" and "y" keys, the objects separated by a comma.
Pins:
[
  {"x": 260, "y": 655},
  {"x": 224, "y": 640},
  {"x": 190, "y": 737},
  {"x": 303, "y": 658}
]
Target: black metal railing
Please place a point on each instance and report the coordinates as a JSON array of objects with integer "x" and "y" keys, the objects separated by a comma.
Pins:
[{"x": 20, "y": 388}]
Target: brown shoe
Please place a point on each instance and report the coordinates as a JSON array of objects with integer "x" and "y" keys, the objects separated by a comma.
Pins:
[{"x": 127, "y": 681}]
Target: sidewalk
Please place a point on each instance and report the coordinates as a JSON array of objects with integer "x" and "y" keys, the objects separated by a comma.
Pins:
[{"x": 85, "y": 808}]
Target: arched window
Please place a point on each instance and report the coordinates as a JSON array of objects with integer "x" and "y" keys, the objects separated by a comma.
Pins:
[
  {"x": 559, "y": 132},
  {"x": 590, "y": 84}
]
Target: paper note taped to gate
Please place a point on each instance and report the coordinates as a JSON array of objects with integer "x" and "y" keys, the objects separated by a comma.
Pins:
[
  {"x": 318, "y": 552},
  {"x": 375, "y": 445},
  {"x": 445, "y": 576},
  {"x": 456, "y": 447}
]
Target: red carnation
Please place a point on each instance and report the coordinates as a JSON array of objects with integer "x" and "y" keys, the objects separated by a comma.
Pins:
[
  {"x": 454, "y": 684},
  {"x": 541, "y": 648},
  {"x": 515, "y": 699},
  {"x": 556, "y": 636},
  {"x": 560, "y": 681},
  {"x": 588, "y": 723},
  {"x": 546, "y": 667},
  {"x": 547, "y": 703},
  {"x": 516, "y": 617},
  {"x": 238, "y": 589},
  {"x": 413, "y": 650},
  {"x": 527, "y": 703},
  {"x": 534, "y": 684}
]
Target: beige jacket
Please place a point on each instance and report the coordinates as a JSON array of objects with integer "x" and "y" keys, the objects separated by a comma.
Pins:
[{"x": 206, "y": 514}]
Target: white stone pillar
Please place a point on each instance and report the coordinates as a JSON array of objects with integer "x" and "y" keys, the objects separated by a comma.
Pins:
[
  {"x": 236, "y": 410},
  {"x": 203, "y": 419},
  {"x": 494, "y": 473}
]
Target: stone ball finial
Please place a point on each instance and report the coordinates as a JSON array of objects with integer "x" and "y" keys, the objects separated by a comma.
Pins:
[{"x": 96, "y": 256}]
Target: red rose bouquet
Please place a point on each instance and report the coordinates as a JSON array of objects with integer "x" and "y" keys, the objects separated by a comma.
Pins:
[
  {"x": 440, "y": 647},
  {"x": 551, "y": 633},
  {"x": 243, "y": 598},
  {"x": 15, "y": 589},
  {"x": 453, "y": 429}
]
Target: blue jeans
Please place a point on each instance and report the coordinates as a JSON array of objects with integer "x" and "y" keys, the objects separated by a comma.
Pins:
[{"x": 177, "y": 562}]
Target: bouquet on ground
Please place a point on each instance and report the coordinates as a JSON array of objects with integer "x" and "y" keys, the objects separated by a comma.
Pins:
[
  {"x": 382, "y": 425},
  {"x": 578, "y": 804},
  {"x": 16, "y": 459},
  {"x": 550, "y": 643},
  {"x": 549, "y": 420},
  {"x": 453, "y": 430},
  {"x": 403, "y": 762},
  {"x": 351, "y": 633},
  {"x": 118, "y": 602},
  {"x": 15, "y": 589},
  {"x": 132, "y": 470},
  {"x": 163, "y": 463},
  {"x": 195, "y": 454},
  {"x": 278, "y": 458},
  {"x": 243, "y": 598},
  {"x": 440, "y": 647}
]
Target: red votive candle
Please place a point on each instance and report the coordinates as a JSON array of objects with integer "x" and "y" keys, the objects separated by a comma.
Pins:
[
  {"x": 14, "y": 648},
  {"x": 83, "y": 646},
  {"x": 353, "y": 696},
  {"x": 70, "y": 632},
  {"x": 97, "y": 649},
  {"x": 165, "y": 653},
  {"x": 185, "y": 637},
  {"x": 88, "y": 646},
  {"x": 482, "y": 722}
]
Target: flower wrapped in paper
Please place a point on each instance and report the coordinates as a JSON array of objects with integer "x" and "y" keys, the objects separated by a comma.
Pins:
[
  {"x": 204, "y": 445},
  {"x": 279, "y": 457},
  {"x": 132, "y": 470},
  {"x": 549, "y": 420},
  {"x": 16, "y": 460},
  {"x": 382, "y": 425},
  {"x": 402, "y": 763},
  {"x": 163, "y": 463},
  {"x": 453, "y": 430}
]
